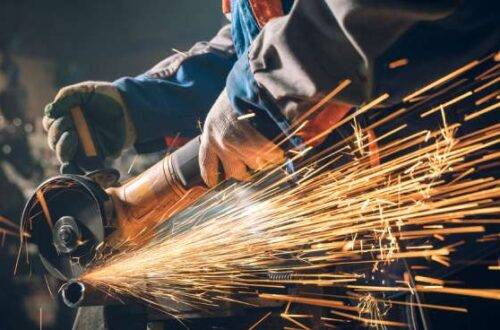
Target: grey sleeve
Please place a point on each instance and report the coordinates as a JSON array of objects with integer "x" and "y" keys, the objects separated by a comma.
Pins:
[{"x": 300, "y": 57}]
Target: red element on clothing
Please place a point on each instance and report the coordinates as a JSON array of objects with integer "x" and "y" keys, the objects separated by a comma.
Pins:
[
  {"x": 323, "y": 120},
  {"x": 373, "y": 147},
  {"x": 175, "y": 141},
  {"x": 226, "y": 6},
  {"x": 265, "y": 10},
  {"x": 327, "y": 118}
]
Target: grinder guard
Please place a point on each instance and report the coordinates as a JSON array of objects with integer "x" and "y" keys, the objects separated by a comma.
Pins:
[{"x": 78, "y": 213}]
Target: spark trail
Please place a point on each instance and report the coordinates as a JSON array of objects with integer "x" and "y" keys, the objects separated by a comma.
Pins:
[{"x": 340, "y": 224}]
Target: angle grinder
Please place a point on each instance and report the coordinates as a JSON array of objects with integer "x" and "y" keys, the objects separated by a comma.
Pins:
[{"x": 70, "y": 216}]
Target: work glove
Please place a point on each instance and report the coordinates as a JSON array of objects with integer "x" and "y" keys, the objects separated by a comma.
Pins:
[
  {"x": 230, "y": 143},
  {"x": 106, "y": 115}
]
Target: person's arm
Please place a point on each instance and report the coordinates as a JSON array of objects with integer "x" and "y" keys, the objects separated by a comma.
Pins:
[
  {"x": 170, "y": 99},
  {"x": 298, "y": 58},
  {"x": 166, "y": 101}
]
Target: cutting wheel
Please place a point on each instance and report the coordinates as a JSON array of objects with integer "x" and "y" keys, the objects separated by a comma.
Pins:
[{"x": 66, "y": 218}]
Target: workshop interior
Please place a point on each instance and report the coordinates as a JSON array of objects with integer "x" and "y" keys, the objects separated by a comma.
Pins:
[{"x": 249, "y": 164}]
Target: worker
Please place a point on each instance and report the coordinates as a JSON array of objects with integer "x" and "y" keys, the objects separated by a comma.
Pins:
[{"x": 273, "y": 61}]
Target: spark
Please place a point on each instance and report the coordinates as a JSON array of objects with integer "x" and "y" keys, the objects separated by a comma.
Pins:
[
  {"x": 360, "y": 111},
  {"x": 237, "y": 246},
  {"x": 297, "y": 323},
  {"x": 370, "y": 322},
  {"x": 303, "y": 300},
  {"x": 250, "y": 242},
  {"x": 41, "y": 318},
  {"x": 398, "y": 63},
  {"x": 481, "y": 293},
  {"x": 260, "y": 321},
  {"x": 442, "y": 80},
  {"x": 246, "y": 116},
  {"x": 8, "y": 222},
  {"x": 486, "y": 98},
  {"x": 41, "y": 199},
  {"x": 483, "y": 111},
  {"x": 371, "y": 311},
  {"x": 429, "y": 280},
  {"x": 180, "y": 52},
  {"x": 489, "y": 73},
  {"x": 132, "y": 164},
  {"x": 453, "y": 101},
  {"x": 488, "y": 84},
  {"x": 324, "y": 100},
  {"x": 47, "y": 284}
]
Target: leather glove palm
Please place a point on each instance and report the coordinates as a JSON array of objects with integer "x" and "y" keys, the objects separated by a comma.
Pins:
[
  {"x": 233, "y": 143},
  {"x": 106, "y": 115}
]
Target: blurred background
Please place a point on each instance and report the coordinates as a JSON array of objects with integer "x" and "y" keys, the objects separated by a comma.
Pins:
[{"x": 45, "y": 45}]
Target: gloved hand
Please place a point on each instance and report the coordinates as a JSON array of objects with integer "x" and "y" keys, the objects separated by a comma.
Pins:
[
  {"x": 234, "y": 143},
  {"x": 106, "y": 116}
]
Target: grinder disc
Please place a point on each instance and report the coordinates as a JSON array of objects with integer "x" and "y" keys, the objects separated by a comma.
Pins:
[{"x": 66, "y": 220}]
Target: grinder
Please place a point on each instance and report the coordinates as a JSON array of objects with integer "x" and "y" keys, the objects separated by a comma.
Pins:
[{"x": 71, "y": 215}]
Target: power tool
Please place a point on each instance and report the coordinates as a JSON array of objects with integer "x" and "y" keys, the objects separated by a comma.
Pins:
[{"x": 70, "y": 216}]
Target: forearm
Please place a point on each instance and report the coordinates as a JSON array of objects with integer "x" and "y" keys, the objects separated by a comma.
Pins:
[{"x": 172, "y": 97}]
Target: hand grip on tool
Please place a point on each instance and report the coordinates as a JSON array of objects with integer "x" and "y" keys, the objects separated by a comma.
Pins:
[{"x": 88, "y": 160}]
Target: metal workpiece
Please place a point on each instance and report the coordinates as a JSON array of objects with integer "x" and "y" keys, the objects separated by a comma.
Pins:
[{"x": 76, "y": 294}]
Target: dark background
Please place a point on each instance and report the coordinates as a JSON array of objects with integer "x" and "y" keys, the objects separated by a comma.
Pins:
[
  {"x": 58, "y": 42},
  {"x": 45, "y": 45},
  {"x": 106, "y": 39}
]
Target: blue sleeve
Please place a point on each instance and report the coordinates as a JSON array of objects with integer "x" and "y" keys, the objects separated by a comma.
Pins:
[
  {"x": 173, "y": 105},
  {"x": 246, "y": 96}
]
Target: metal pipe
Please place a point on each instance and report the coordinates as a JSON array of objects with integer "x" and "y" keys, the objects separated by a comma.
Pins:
[{"x": 75, "y": 294}]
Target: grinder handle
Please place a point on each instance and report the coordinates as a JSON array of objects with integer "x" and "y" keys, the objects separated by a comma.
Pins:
[
  {"x": 88, "y": 159},
  {"x": 83, "y": 131}
]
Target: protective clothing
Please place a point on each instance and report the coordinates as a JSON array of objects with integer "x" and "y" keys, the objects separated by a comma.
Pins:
[
  {"x": 173, "y": 97},
  {"x": 279, "y": 57},
  {"x": 291, "y": 62},
  {"x": 105, "y": 113},
  {"x": 232, "y": 141}
]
